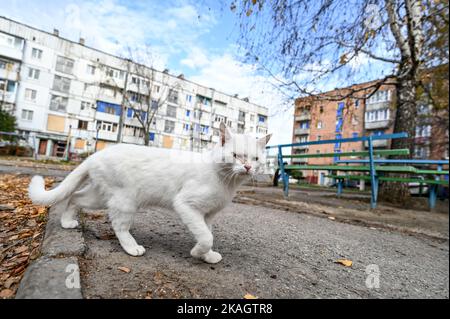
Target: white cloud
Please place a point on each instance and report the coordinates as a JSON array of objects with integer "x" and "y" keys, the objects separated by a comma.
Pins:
[{"x": 225, "y": 73}]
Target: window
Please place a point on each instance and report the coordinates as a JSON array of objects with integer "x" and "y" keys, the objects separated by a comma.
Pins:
[
  {"x": 377, "y": 115},
  {"x": 36, "y": 53},
  {"x": 203, "y": 100},
  {"x": 205, "y": 129},
  {"x": 380, "y": 96},
  {"x": 240, "y": 128},
  {"x": 261, "y": 118},
  {"x": 157, "y": 88},
  {"x": 188, "y": 113},
  {"x": 423, "y": 131},
  {"x": 169, "y": 126},
  {"x": 423, "y": 109},
  {"x": 90, "y": 69},
  {"x": 219, "y": 118},
  {"x": 188, "y": 98},
  {"x": 304, "y": 124},
  {"x": 130, "y": 113},
  {"x": 58, "y": 103},
  {"x": 11, "y": 41},
  {"x": 171, "y": 111},
  {"x": 3, "y": 64},
  {"x": 421, "y": 151},
  {"x": 27, "y": 115},
  {"x": 30, "y": 94},
  {"x": 356, "y": 104},
  {"x": 151, "y": 136},
  {"x": 107, "y": 126},
  {"x": 61, "y": 84},
  {"x": 82, "y": 125},
  {"x": 34, "y": 74},
  {"x": 321, "y": 109},
  {"x": 354, "y": 134},
  {"x": 64, "y": 65},
  {"x": 173, "y": 96},
  {"x": 252, "y": 117},
  {"x": 115, "y": 73},
  {"x": 85, "y": 105},
  {"x": 319, "y": 124},
  {"x": 155, "y": 104},
  {"x": 319, "y": 137},
  {"x": 110, "y": 110},
  {"x": 8, "y": 86},
  {"x": 186, "y": 127},
  {"x": 241, "y": 116}
]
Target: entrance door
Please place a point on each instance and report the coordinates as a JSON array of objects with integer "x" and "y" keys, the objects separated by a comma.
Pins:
[{"x": 42, "y": 147}]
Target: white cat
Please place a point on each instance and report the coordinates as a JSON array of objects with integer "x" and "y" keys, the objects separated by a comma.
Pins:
[{"x": 124, "y": 179}]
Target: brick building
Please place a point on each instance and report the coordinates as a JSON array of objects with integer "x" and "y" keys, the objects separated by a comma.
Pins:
[{"x": 328, "y": 116}]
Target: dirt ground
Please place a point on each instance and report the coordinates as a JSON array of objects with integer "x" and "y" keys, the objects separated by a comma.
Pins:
[{"x": 354, "y": 208}]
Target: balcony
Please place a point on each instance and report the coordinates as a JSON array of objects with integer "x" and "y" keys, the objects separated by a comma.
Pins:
[
  {"x": 301, "y": 131},
  {"x": 300, "y": 147},
  {"x": 303, "y": 117},
  {"x": 8, "y": 97},
  {"x": 109, "y": 136},
  {"x": 377, "y": 106},
  {"x": 376, "y": 124},
  {"x": 377, "y": 143},
  {"x": 299, "y": 160},
  {"x": 14, "y": 51}
]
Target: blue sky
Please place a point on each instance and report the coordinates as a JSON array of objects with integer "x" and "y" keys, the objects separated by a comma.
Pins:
[{"x": 196, "y": 38}]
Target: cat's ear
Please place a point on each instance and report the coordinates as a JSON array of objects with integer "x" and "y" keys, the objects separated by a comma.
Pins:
[
  {"x": 264, "y": 140},
  {"x": 225, "y": 134}
]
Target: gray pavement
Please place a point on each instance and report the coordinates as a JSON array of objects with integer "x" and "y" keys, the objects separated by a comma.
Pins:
[{"x": 268, "y": 253}]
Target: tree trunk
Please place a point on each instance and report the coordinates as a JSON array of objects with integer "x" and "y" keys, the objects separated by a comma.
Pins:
[
  {"x": 146, "y": 138},
  {"x": 405, "y": 121}
]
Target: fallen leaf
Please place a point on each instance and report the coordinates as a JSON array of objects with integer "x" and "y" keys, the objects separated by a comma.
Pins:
[
  {"x": 124, "y": 269},
  {"x": 345, "y": 262},
  {"x": 249, "y": 296},
  {"x": 331, "y": 217},
  {"x": 6, "y": 293},
  {"x": 20, "y": 249}
]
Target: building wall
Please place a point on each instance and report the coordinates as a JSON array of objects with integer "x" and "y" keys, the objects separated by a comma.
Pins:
[
  {"x": 96, "y": 98},
  {"x": 362, "y": 116}
]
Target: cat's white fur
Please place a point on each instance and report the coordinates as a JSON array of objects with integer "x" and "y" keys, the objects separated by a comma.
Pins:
[{"x": 125, "y": 179}]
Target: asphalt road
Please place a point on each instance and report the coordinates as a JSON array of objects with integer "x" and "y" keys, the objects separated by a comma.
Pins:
[{"x": 268, "y": 253}]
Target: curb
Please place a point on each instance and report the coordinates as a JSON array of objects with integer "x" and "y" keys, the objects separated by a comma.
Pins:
[{"x": 55, "y": 274}]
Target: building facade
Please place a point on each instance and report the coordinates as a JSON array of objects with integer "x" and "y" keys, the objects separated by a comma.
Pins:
[
  {"x": 327, "y": 117},
  {"x": 68, "y": 97}
]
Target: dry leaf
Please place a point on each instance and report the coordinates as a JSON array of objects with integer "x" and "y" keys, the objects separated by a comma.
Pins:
[
  {"x": 345, "y": 262},
  {"x": 249, "y": 296},
  {"x": 6, "y": 293},
  {"x": 331, "y": 217},
  {"x": 124, "y": 269}
]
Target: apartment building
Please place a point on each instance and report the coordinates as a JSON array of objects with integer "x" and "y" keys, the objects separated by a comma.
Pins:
[
  {"x": 68, "y": 97},
  {"x": 326, "y": 116}
]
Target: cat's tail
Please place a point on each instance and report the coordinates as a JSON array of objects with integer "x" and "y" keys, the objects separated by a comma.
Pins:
[{"x": 38, "y": 194}]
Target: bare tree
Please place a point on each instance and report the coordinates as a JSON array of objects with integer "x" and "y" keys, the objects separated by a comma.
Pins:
[
  {"x": 145, "y": 92},
  {"x": 303, "y": 44}
]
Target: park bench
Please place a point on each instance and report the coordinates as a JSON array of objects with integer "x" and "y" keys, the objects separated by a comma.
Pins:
[{"x": 372, "y": 169}]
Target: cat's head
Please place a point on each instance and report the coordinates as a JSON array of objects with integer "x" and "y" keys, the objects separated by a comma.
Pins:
[{"x": 243, "y": 154}]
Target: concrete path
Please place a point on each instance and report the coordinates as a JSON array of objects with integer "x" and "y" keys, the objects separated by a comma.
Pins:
[{"x": 268, "y": 253}]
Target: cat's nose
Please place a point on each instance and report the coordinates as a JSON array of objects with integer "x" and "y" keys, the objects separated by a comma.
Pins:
[{"x": 247, "y": 167}]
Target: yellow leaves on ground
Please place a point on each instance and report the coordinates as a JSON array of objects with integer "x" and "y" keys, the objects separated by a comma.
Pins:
[
  {"x": 345, "y": 262},
  {"x": 249, "y": 296},
  {"x": 21, "y": 230}
]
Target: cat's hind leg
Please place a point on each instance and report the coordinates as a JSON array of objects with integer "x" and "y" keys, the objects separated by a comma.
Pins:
[
  {"x": 195, "y": 222},
  {"x": 121, "y": 216}
]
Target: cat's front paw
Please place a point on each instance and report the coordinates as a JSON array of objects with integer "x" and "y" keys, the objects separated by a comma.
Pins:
[
  {"x": 212, "y": 257},
  {"x": 137, "y": 250},
  {"x": 68, "y": 224}
]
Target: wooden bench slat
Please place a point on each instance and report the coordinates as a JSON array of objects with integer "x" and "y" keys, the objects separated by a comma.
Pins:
[
  {"x": 391, "y": 179},
  {"x": 401, "y": 169},
  {"x": 403, "y": 151}
]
